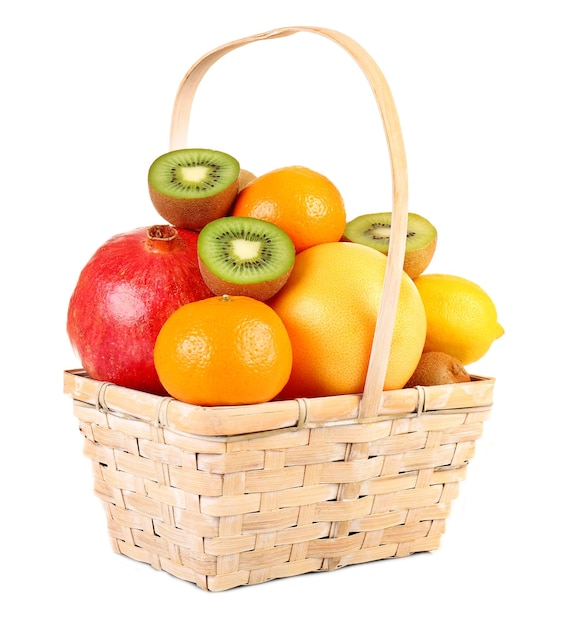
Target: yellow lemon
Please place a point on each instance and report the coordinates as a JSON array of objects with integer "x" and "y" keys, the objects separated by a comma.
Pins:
[{"x": 461, "y": 317}]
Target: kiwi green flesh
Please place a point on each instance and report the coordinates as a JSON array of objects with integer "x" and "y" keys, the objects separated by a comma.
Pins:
[
  {"x": 373, "y": 230},
  {"x": 193, "y": 173},
  {"x": 245, "y": 250}
]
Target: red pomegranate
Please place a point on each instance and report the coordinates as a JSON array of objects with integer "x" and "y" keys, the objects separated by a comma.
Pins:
[{"x": 123, "y": 296}]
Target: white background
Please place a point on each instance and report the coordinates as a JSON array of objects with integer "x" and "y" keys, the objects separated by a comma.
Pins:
[{"x": 483, "y": 91}]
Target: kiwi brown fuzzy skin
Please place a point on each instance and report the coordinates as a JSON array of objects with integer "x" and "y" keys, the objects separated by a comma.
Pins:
[
  {"x": 195, "y": 213},
  {"x": 417, "y": 261},
  {"x": 245, "y": 177},
  {"x": 438, "y": 368}
]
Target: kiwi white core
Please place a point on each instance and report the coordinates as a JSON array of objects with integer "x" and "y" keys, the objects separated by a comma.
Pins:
[
  {"x": 381, "y": 232},
  {"x": 195, "y": 174},
  {"x": 244, "y": 249}
]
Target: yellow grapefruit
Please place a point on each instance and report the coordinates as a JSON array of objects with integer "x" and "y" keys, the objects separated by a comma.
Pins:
[{"x": 329, "y": 307}]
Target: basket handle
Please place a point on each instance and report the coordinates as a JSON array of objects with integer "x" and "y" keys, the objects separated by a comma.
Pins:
[{"x": 370, "y": 404}]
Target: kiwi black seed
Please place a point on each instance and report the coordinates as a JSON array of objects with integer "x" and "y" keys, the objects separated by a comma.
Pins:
[
  {"x": 373, "y": 230},
  {"x": 245, "y": 256},
  {"x": 193, "y": 186}
]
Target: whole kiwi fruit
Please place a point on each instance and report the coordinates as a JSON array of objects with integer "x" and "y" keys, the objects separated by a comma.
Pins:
[{"x": 438, "y": 368}]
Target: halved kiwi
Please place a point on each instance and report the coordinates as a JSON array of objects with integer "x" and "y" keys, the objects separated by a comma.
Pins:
[
  {"x": 373, "y": 230},
  {"x": 245, "y": 256},
  {"x": 193, "y": 186}
]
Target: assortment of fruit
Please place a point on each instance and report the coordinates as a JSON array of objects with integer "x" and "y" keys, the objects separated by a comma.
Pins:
[{"x": 258, "y": 288}]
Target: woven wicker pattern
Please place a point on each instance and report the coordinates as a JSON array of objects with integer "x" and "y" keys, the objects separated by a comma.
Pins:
[{"x": 228, "y": 511}]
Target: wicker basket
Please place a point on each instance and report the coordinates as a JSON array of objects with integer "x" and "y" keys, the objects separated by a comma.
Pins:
[{"x": 239, "y": 495}]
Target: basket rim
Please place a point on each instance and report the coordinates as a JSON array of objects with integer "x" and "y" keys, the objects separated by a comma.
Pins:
[{"x": 276, "y": 415}]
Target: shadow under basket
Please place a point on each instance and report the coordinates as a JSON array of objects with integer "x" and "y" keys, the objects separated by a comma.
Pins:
[{"x": 215, "y": 497}]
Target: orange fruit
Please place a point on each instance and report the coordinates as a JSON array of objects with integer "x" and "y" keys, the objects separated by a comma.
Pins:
[
  {"x": 330, "y": 306},
  {"x": 304, "y": 203},
  {"x": 223, "y": 351}
]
